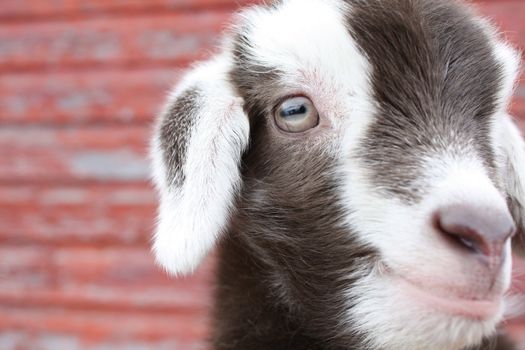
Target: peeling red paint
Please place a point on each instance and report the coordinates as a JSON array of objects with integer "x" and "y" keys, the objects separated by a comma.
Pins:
[{"x": 80, "y": 82}]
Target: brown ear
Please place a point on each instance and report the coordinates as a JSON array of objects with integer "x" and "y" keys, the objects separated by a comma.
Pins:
[{"x": 513, "y": 167}]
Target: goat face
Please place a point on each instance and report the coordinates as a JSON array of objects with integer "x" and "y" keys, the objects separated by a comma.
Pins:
[{"x": 361, "y": 151}]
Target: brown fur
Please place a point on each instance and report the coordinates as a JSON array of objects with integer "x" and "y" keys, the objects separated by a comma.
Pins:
[{"x": 288, "y": 258}]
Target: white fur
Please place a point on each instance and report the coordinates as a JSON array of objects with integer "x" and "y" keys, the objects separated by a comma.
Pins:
[
  {"x": 391, "y": 320},
  {"x": 513, "y": 159},
  {"x": 297, "y": 36},
  {"x": 192, "y": 217},
  {"x": 309, "y": 42},
  {"x": 410, "y": 247}
]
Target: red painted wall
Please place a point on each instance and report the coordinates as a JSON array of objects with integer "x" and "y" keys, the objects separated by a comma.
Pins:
[{"x": 79, "y": 84}]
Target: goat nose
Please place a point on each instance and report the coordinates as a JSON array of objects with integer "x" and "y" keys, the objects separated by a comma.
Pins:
[{"x": 480, "y": 230}]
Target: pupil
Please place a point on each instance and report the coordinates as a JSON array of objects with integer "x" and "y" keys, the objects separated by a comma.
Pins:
[{"x": 294, "y": 110}]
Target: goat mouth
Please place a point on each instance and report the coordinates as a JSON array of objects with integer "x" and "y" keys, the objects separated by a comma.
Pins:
[{"x": 467, "y": 308}]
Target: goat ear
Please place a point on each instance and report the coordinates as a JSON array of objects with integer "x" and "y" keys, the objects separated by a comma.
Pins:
[
  {"x": 513, "y": 165},
  {"x": 196, "y": 150}
]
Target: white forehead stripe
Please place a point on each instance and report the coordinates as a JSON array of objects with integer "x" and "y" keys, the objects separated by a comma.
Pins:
[{"x": 306, "y": 38}]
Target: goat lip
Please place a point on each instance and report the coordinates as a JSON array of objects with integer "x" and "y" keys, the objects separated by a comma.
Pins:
[{"x": 461, "y": 307}]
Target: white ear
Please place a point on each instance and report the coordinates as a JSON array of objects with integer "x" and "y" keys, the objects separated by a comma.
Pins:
[
  {"x": 196, "y": 150},
  {"x": 513, "y": 166}
]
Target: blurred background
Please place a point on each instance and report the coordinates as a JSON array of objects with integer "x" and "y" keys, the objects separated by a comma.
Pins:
[{"x": 80, "y": 82}]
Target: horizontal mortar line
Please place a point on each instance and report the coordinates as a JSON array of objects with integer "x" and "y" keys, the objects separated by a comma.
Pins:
[
  {"x": 72, "y": 181},
  {"x": 53, "y": 68},
  {"x": 146, "y": 122},
  {"x": 72, "y": 244},
  {"x": 100, "y": 307}
]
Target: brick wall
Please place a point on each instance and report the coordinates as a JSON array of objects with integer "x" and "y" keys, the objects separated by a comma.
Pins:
[{"x": 79, "y": 84}]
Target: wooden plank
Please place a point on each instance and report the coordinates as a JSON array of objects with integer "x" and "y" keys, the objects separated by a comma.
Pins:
[
  {"x": 87, "y": 214},
  {"x": 27, "y": 9},
  {"x": 104, "y": 326},
  {"x": 87, "y": 97},
  {"x": 26, "y": 339},
  {"x": 117, "y": 153},
  {"x": 120, "y": 279},
  {"x": 164, "y": 38}
]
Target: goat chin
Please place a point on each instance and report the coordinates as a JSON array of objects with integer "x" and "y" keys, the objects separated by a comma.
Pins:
[
  {"x": 355, "y": 163},
  {"x": 396, "y": 315}
]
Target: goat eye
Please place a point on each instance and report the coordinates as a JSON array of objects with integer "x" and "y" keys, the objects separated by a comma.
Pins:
[{"x": 296, "y": 114}]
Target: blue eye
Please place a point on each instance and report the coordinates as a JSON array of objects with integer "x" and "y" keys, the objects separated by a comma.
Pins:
[
  {"x": 296, "y": 114},
  {"x": 293, "y": 111}
]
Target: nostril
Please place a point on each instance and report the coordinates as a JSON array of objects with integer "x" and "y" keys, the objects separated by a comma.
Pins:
[
  {"x": 483, "y": 231},
  {"x": 462, "y": 237}
]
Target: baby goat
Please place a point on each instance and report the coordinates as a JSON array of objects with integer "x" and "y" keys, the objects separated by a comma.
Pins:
[{"x": 355, "y": 164}]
